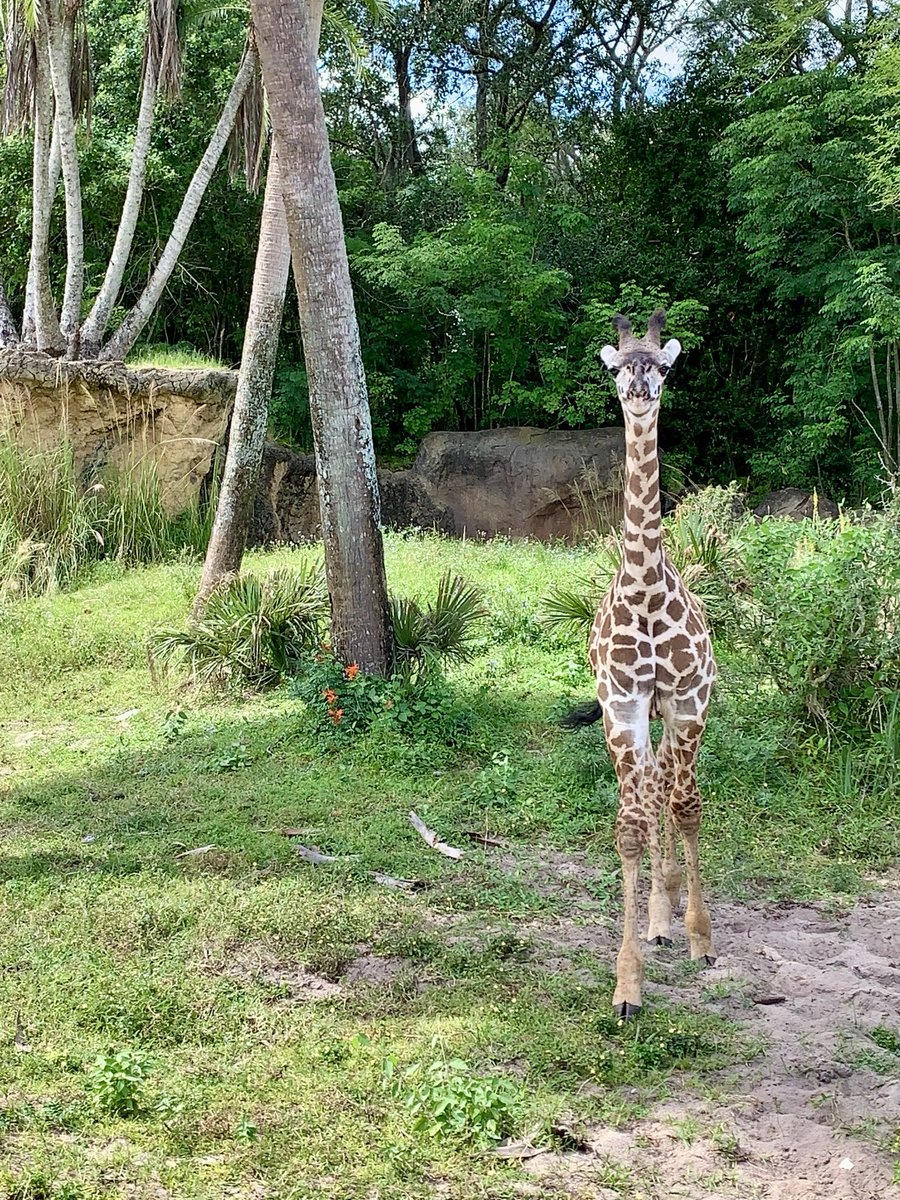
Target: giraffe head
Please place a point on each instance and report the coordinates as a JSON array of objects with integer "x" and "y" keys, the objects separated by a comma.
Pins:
[{"x": 640, "y": 365}]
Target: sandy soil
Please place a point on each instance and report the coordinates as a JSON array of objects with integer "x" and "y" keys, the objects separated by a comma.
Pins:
[{"x": 807, "y": 1120}]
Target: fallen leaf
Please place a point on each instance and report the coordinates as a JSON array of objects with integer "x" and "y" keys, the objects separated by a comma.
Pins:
[
  {"x": 311, "y": 855},
  {"x": 196, "y": 850},
  {"x": 519, "y": 1150},
  {"x": 483, "y": 839},
  {"x": 769, "y": 999},
  {"x": 126, "y": 716},
  {"x": 432, "y": 839},
  {"x": 403, "y": 885}
]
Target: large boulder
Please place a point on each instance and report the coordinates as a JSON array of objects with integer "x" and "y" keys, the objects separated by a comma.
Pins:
[
  {"x": 520, "y": 482},
  {"x": 525, "y": 482},
  {"x": 795, "y": 504},
  {"x": 141, "y": 420}
]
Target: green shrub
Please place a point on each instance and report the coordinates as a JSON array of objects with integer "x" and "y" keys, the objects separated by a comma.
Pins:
[
  {"x": 116, "y": 1081},
  {"x": 825, "y": 614},
  {"x": 252, "y": 632},
  {"x": 440, "y": 633},
  {"x": 448, "y": 1100}
]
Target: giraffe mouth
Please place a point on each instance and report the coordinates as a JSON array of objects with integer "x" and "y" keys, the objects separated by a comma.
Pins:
[{"x": 638, "y": 407}]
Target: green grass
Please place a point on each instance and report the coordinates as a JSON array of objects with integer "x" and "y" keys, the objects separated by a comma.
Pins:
[
  {"x": 113, "y": 942},
  {"x": 180, "y": 357}
]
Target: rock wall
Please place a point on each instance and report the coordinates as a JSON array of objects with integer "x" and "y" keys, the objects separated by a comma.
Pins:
[
  {"x": 144, "y": 420},
  {"x": 521, "y": 482}
]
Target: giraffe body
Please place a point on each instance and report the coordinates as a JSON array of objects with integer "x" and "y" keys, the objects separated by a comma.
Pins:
[{"x": 652, "y": 656}]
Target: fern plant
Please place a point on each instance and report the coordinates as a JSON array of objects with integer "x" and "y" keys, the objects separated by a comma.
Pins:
[
  {"x": 441, "y": 632},
  {"x": 253, "y": 631}
]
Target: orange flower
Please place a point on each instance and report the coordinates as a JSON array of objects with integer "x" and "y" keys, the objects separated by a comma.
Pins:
[
  {"x": 351, "y": 672},
  {"x": 329, "y": 695},
  {"x": 336, "y": 714}
]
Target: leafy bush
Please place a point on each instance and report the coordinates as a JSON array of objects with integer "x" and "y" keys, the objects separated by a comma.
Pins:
[
  {"x": 449, "y": 1101},
  {"x": 252, "y": 631},
  {"x": 825, "y": 613},
  {"x": 343, "y": 702},
  {"x": 116, "y": 1081}
]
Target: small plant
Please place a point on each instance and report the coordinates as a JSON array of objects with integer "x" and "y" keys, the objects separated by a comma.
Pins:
[
  {"x": 887, "y": 1039},
  {"x": 174, "y": 723},
  {"x": 440, "y": 633},
  {"x": 252, "y": 631},
  {"x": 235, "y": 758},
  {"x": 246, "y": 1130},
  {"x": 116, "y": 1081},
  {"x": 449, "y": 1101}
]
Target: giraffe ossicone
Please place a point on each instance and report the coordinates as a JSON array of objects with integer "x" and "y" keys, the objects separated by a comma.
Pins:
[{"x": 651, "y": 655}]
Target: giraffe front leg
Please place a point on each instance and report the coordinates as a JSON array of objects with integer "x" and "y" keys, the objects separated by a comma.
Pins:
[
  {"x": 630, "y": 842},
  {"x": 671, "y": 870},
  {"x": 685, "y": 729}
]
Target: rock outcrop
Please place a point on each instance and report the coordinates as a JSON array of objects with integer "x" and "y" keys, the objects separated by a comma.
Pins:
[
  {"x": 796, "y": 504},
  {"x": 143, "y": 420},
  {"x": 521, "y": 482}
]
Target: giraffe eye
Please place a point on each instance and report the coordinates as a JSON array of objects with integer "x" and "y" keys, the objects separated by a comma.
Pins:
[{"x": 663, "y": 370}]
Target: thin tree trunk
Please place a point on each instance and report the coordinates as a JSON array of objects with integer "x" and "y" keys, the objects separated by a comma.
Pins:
[
  {"x": 70, "y": 316},
  {"x": 410, "y": 155},
  {"x": 251, "y": 405},
  {"x": 287, "y": 33},
  {"x": 9, "y": 335},
  {"x": 131, "y": 328},
  {"x": 40, "y": 324},
  {"x": 98, "y": 318}
]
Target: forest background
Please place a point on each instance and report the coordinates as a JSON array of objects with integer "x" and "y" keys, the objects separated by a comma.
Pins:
[{"x": 511, "y": 173}]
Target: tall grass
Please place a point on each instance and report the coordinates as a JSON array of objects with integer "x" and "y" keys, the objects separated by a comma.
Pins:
[{"x": 54, "y": 524}]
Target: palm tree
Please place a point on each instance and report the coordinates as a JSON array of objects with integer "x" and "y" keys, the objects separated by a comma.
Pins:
[
  {"x": 287, "y": 33},
  {"x": 251, "y": 404},
  {"x": 46, "y": 90}
]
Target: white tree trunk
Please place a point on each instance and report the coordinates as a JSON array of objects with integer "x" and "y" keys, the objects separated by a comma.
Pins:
[
  {"x": 70, "y": 316},
  {"x": 9, "y": 335},
  {"x": 287, "y": 33},
  {"x": 95, "y": 325},
  {"x": 40, "y": 325},
  {"x": 251, "y": 405},
  {"x": 131, "y": 328}
]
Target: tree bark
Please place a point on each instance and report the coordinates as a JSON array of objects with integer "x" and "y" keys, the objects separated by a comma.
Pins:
[
  {"x": 251, "y": 404},
  {"x": 287, "y": 33},
  {"x": 40, "y": 324},
  {"x": 131, "y": 328},
  {"x": 98, "y": 318},
  {"x": 70, "y": 315},
  {"x": 410, "y": 155},
  {"x": 9, "y": 335}
]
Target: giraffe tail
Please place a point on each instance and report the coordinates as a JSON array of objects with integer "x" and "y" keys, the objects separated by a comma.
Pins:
[{"x": 582, "y": 714}]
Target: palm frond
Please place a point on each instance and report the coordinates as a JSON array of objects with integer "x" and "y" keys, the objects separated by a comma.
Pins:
[
  {"x": 249, "y": 134},
  {"x": 19, "y": 67},
  {"x": 572, "y": 609},
  {"x": 162, "y": 46},
  {"x": 81, "y": 73}
]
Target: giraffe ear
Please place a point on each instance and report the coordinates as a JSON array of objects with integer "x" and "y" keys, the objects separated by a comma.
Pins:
[
  {"x": 610, "y": 356},
  {"x": 670, "y": 351}
]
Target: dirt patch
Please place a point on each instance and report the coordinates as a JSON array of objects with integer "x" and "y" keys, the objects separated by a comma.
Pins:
[
  {"x": 257, "y": 964},
  {"x": 808, "y": 1119}
]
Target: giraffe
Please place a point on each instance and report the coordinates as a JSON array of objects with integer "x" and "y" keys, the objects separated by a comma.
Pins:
[{"x": 651, "y": 655}]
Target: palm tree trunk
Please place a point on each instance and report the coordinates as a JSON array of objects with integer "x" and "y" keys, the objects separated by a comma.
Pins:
[
  {"x": 287, "y": 33},
  {"x": 40, "y": 324},
  {"x": 70, "y": 316},
  {"x": 131, "y": 328},
  {"x": 95, "y": 325},
  {"x": 251, "y": 405},
  {"x": 9, "y": 335}
]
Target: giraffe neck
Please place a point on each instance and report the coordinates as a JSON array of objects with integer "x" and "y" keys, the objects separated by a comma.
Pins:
[{"x": 642, "y": 503}]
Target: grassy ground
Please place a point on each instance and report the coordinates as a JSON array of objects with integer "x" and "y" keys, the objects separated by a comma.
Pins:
[{"x": 115, "y": 938}]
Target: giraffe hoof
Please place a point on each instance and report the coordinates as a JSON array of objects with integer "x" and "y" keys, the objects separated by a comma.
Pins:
[
  {"x": 664, "y": 941},
  {"x": 709, "y": 960},
  {"x": 626, "y": 1011}
]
